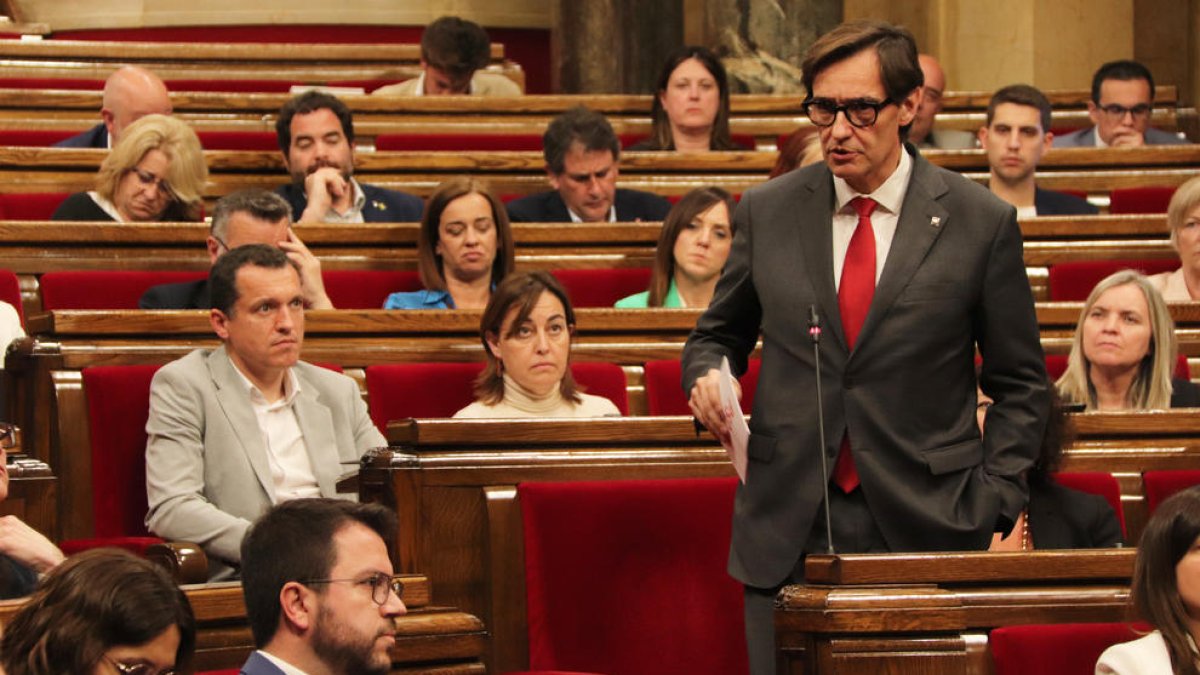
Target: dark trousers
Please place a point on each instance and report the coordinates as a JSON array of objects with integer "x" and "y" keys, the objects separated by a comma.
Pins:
[{"x": 854, "y": 531}]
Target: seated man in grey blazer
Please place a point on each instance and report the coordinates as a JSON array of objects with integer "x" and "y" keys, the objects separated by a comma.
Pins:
[
  {"x": 319, "y": 591},
  {"x": 1122, "y": 100},
  {"x": 236, "y": 429}
]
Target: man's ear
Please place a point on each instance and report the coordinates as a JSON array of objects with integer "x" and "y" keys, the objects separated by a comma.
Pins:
[
  {"x": 214, "y": 249},
  {"x": 108, "y": 118},
  {"x": 553, "y": 178},
  {"x": 908, "y": 107},
  {"x": 1094, "y": 112},
  {"x": 297, "y": 605},
  {"x": 982, "y": 136},
  {"x": 219, "y": 322}
]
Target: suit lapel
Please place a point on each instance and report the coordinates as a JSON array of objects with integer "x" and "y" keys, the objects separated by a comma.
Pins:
[
  {"x": 316, "y": 424},
  {"x": 235, "y": 403},
  {"x": 922, "y": 220},
  {"x": 816, "y": 241}
]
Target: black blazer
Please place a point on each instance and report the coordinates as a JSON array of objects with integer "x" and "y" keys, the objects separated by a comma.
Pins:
[
  {"x": 1051, "y": 203},
  {"x": 1060, "y": 517},
  {"x": 548, "y": 207},
  {"x": 382, "y": 206},
  {"x": 181, "y": 295},
  {"x": 96, "y": 137}
]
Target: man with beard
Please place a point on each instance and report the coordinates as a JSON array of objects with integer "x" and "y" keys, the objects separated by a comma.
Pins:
[
  {"x": 319, "y": 591},
  {"x": 316, "y": 135}
]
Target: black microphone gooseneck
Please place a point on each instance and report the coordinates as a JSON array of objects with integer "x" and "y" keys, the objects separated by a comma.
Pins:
[{"x": 814, "y": 331}]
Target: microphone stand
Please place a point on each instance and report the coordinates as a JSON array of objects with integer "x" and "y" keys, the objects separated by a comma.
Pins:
[{"x": 814, "y": 332}]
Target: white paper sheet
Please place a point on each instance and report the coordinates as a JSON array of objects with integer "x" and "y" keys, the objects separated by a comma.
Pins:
[{"x": 739, "y": 432}]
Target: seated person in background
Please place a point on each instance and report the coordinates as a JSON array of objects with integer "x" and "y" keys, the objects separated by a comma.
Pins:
[
  {"x": 1165, "y": 593},
  {"x": 802, "y": 147},
  {"x": 251, "y": 216},
  {"x": 692, "y": 249},
  {"x": 1122, "y": 101},
  {"x": 10, "y": 328},
  {"x": 24, "y": 552},
  {"x": 130, "y": 94},
  {"x": 156, "y": 173},
  {"x": 1123, "y": 352},
  {"x": 922, "y": 134},
  {"x": 526, "y": 332},
  {"x": 453, "y": 51},
  {"x": 319, "y": 591},
  {"x": 691, "y": 108},
  {"x": 465, "y": 248},
  {"x": 236, "y": 429},
  {"x": 1183, "y": 220},
  {"x": 1015, "y": 137},
  {"x": 103, "y": 611},
  {"x": 316, "y": 135},
  {"x": 1056, "y": 516},
  {"x": 581, "y": 152}
]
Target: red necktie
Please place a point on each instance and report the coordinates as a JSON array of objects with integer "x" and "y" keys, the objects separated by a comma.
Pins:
[{"x": 854, "y": 299}]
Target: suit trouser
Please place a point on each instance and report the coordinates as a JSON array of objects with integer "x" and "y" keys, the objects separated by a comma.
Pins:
[{"x": 854, "y": 531}]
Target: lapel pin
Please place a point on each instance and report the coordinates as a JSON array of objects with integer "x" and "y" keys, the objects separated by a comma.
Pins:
[
  {"x": 378, "y": 205},
  {"x": 935, "y": 221}
]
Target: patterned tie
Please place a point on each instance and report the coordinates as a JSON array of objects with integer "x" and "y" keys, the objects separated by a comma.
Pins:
[{"x": 854, "y": 299}]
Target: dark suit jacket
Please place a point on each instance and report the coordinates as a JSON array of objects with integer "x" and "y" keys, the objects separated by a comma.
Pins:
[
  {"x": 1051, "y": 203},
  {"x": 1086, "y": 138},
  {"x": 96, "y": 137},
  {"x": 383, "y": 206},
  {"x": 954, "y": 278},
  {"x": 548, "y": 207},
  {"x": 258, "y": 665},
  {"x": 1060, "y": 517},
  {"x": 182, "y": 295}
]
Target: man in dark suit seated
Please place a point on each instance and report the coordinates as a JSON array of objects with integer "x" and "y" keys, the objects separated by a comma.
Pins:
[
  {"x": 316, "y": 135},
  {"x": 320, "y": 596},
  {"x": 1122, "y": 100},
  {"x": 1015, "y": 137},
  {"x": 581, "y": 152},
  {"x": 246, "y": 217},
  {"x": 130, "y": 94}
]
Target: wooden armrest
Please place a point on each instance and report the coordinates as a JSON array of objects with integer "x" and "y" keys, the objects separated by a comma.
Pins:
[{"x": 185, "y": 561}]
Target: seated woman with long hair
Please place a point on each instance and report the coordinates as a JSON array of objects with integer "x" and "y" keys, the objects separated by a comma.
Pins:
[
  {"x": 464, "y": 248},
  {"x": 156, "y": 173},
  {"x": 1124, "y": 350},
  {"x": 526, "y": 332},
  {"x": 1183, "y": 221},
  {"x": 102, "y": 611},
  {"x": 692, "y": 249},
  {"x": 1165, "y": 594},
  {"x": 690, "y": 112}
]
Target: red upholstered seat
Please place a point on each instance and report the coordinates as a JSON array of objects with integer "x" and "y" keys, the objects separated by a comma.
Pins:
[
  {"x": 399, "y": 390},
  {"x": 106, "y": 289},
  {"x": 1140, "y": 200},
  {"x": 367, "y": 289},
  {"x": 30, "y": 205},
  {"x": 1056, "y": 365},
  {"x": 629, "y": 577},
  {"x": 1162, "y": 484},
  {"x": 10, "y": 292},
  {"x": 1073, "y": 281},
  {"x": 238, "y": 140},
  {"x": 1054, "y": 649},
  {"x": 1096, "y": 483},
  {"x": 72, "y": 83},
  {"x": 602, "y": 287},
  {"x": 435, "y": 142},
  {"x": 665, "y": 396},
  {"x": 33, "y": 138}
]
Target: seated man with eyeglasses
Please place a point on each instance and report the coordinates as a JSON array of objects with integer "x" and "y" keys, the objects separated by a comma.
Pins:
[
  {"x": 320, "y": 595},
  {"x": 246, "y": 217},
  {"x": 1122, "y": 100}
]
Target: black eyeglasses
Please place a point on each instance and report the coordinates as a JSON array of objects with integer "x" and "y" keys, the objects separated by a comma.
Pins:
[
  {"x": 148, "y": 179},
  {"x": 1117, "y": 112},
  {"x": 860, "y": 112},
  {"x": 137, "y": 668},
  {"x": 380, "y": 584}
]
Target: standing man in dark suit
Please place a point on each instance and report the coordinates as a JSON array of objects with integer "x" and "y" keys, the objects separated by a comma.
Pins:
[
  {"x": 1016, "y": 136},
  {"x": 910, "y": 268},
  {"x": 1122, "y": 101},
  {"x": 581, "y": 152},
  {"x": 130, "y": 94},
  {"x": 316, "y": 135}
]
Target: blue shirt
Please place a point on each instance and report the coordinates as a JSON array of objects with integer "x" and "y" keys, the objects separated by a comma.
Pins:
[{"x": 425, "y": 299}]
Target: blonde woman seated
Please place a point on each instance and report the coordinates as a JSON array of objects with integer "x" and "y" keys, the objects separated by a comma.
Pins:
[
  {"x": 692, "y": 249},
  {"x": 156, "y": 173},
  {"x": 526, "y": 332},
  {"x": 1123, "y": 352},
  {"x": 1183, "y": 220},
  {"x": 1165, "y": 594},
  {"x": 464, "y": 248}
]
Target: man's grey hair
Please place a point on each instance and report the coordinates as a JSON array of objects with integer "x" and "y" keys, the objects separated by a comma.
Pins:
[{"x": 259, "y": 203}]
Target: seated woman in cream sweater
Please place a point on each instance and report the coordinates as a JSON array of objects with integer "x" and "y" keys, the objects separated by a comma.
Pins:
[{"x": 526, "y": 332}]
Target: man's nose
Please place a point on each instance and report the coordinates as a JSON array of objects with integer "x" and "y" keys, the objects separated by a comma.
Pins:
[{"x": 841, "y": 127}]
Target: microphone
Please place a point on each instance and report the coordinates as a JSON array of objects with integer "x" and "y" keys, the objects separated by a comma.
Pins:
[{"x": 814, "y": 332}]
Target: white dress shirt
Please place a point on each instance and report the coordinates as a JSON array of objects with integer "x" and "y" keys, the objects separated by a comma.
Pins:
[
  {"x": 352, "y": 214},
  {"x": 287, "y": 668},
  {"x": 889, "y": 196},
  {"x": 287, "y": 456}
]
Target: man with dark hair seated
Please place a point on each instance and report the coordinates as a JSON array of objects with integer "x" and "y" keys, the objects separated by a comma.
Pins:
[
  {"x": 251, "y": 216},
  {"x": 1122, "y": 101},
  {"x": 581, "y": 152},
  {"x": 235, "y": 429},
  {"x": 453, "y": 52},
  {"x": 319, "y": 591},
  {"x": 1015, "y": 137},
  {"x": 316, "y": 136}
]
